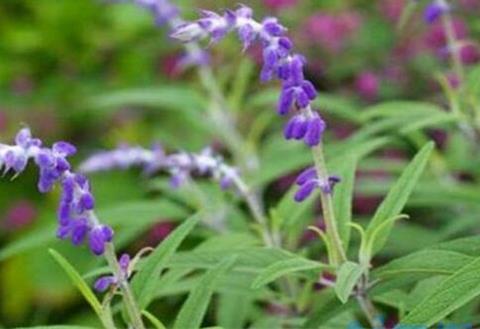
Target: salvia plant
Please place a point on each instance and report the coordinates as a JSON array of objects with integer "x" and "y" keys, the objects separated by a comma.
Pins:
[{"x": 241, "y": 254}]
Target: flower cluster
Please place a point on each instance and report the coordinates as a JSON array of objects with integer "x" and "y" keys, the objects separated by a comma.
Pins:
[
  {"x": 107, "y": 281},
  {"x": 308, "y": 181},
  {"x": 279, "y": 61},
  {"x": 434, "y": 10},
  {"x": 166, "y": 13},
  {"x": 76, "y": 217},
  {"x": 181, "y": 165}
]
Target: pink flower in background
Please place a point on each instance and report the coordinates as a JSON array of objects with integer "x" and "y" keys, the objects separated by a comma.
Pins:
[
  {"x": 453, "y": 80},
  {"x": 279, "y": 4},
  {"x": 469, "y": 53},
  {"x": 20, "y": 214},
  {"x": 470, "y": 4},
  {"x": 169, "y": 66},
  {"x": 159, "y": 232},
  {"x": 367, "y": 85},
  {"x": 435, "y": 37},
  {"x": 332, "y": 31},
  {"x": 391, "y": 9}
]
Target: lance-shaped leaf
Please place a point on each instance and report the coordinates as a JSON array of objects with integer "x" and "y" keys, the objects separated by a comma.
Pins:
[
  {"x": 452, "y": 293},
  {"x": 284, "y": 267},
  {"x": 144, "y": 282},
  {"x": 398, "y": 195},
  {"x": 347, "y": 277},
  {"x": 193, "y": 310},
  {"x": 78, "y": 281}
]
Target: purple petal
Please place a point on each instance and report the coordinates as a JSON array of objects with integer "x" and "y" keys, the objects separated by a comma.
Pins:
[
  {"x": 124, "y": 262},
  {"x": 306, "y": 175},
  {"x": 79, "y": 230},
  {"x": 285, "y": 101},
  {"x": 97, "y": 241},
  {"x": 64, "y": 148},
  {"x": 103, "y": 283},
  {"x": 305, "y": 190},
  {"x": 314, "y": 133}
]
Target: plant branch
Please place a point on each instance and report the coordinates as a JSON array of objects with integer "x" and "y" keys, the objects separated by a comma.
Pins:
[{"x": 128, "y": 298}]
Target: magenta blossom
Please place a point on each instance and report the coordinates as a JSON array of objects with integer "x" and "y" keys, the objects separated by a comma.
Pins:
[
  {"x": 20, "y": 214},
  {"x": 391, "y": 9},
  {"x": 469, "y": 53},
  {"x": 436, "y": 39},
  {"x": 367, "y": 85},
  {"x": 279, "y": 4},
  {"x": 332, "y": 31}
]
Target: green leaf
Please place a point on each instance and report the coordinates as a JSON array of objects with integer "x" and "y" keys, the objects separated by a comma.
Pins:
[
  {"x": 156, "y": 322},
  {"x": 285, "y": 267},
  {"x": 193, "y": 310},
  {"x": 56, "y": 327},
  {"x": 425, "y": 262},
  {"x": 452, "y": 293},
  {"x": 342, "y": 199},
  {"x": 144, "y": 282},
  {"x": 347, "y": 277},
  {"x": 398, "y": 195},
  {"x": 78, "y": 281},
  {"x": 176, "y": 97},
  {"x": 400, "y": 109}
]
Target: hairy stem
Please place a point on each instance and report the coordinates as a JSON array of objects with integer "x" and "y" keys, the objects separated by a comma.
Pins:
[
  {"x": 256, "y": 210},
  {"x": 128, "y": 299},
  {"x": 338, "y": 251},
  {"x": 452, "y": 45}
]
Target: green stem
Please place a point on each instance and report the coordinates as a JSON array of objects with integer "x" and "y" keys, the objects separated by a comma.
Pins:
[
  {"x": 452, "y": 45},
  {"x": 220, "y": 114},
  {"x": 338, "y": 251},
  {"x": 128, "y": 299},
  {"x": 256, "y": 211}
]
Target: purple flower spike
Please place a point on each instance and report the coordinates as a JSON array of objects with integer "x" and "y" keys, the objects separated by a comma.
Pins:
[
  {"x": 76, "y": 218},
  {"x": 434, "y": 10},
  {"x": 181, "y": 166},
  {"x": 278, "y": 61}
]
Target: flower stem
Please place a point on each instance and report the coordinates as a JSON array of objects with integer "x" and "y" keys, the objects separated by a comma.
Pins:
[
  {"x": 452, "y": 45},
  {"x": 256, "y": 211},
  {"x": 338, "y": 252},
  {"x": 221, "y": 115},
  {"x": 128, "y": 299}
]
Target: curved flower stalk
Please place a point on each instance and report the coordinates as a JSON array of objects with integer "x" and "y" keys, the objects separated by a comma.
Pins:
[
  {"x": 297, "y": 93},
  {"x": 296, "y": 96},
  {"x": 181, "y": 166},
  {"x": 76, "y": 217},
  {"x": 279, "y": 61},
  {"x": 166, "y": 13}
]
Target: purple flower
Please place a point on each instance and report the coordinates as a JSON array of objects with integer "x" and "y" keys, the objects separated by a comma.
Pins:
[
  {"x": 308, "y": 181},
  {"x": 76, "y": 217},
  {"x": 434, "y": 10},
  {"x": 278, "y": 61},
  {"x": 105, "y": 282},
  {"x": 181, "y": 166}
]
